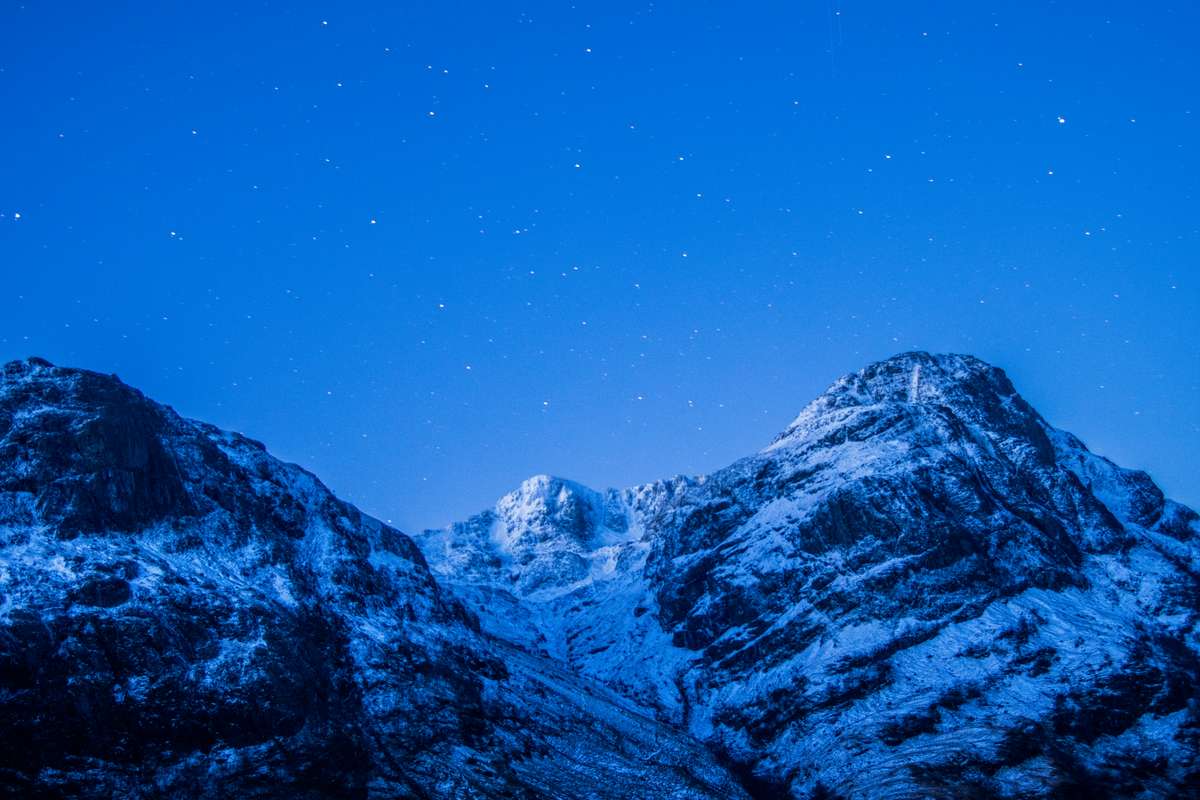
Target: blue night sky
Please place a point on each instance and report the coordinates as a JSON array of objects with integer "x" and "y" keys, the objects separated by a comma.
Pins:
[{"x": 427, "y": 252}]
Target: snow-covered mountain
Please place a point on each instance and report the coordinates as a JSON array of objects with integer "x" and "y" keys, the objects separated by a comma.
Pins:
[
  {"x": 182, "y": 615},
  {"x": 920, "y": 588}
]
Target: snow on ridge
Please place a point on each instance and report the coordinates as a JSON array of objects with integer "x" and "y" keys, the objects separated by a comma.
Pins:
[{"x": 915, "y": 378}]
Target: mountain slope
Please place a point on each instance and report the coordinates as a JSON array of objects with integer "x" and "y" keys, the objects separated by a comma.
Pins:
[
  {"x": 920, "y": 588},
  {"x": 182, "y": 615}
]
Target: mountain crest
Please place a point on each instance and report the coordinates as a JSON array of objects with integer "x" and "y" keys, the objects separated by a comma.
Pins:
[
  {"x": 961, "y": 389},
  {"x": 922, "y": 586}
]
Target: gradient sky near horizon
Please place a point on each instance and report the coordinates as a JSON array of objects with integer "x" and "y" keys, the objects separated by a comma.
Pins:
[{"x": 427, "y": 250}]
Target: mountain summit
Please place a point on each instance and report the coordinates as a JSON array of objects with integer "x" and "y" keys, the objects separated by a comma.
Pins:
[
  {"x": 919, "y": 589},
  {"x": 969, "y": 388}
]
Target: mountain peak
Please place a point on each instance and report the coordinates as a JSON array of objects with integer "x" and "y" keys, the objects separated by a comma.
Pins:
[
  {"x": 95, "y": 453},
  {"x": 25, "y": 369},
  {"x": 544, "y": 506},
  {"x": 918, "y": 376},
  {"x": 33, "y": 379},
  {"x": 973, "y": 390},
  {"x": 910, "y": 376},
  {"x": 26, "y": 365},
  {"x": 543, "y": 485}
]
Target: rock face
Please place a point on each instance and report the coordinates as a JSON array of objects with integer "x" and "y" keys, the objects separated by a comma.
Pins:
[
  {"x": 182, "y": 615},
  {"x": 919, "y": 589}
]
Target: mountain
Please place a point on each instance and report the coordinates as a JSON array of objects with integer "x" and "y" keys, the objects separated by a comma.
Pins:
[
  {"x": 919, "y": 589},
  {"x": 182, "y": 615}
]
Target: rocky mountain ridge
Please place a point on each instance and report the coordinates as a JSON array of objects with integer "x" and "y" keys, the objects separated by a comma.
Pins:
[{"x": 919, "y": 589}]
